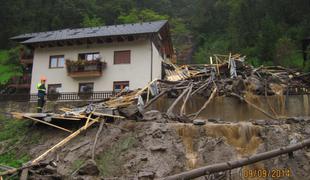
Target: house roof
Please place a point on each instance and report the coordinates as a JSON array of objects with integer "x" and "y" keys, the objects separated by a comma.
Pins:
[{"x": 103, "y": 31}]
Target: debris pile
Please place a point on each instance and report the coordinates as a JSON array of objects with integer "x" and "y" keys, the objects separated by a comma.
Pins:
[{"x": 225, "y": 76}]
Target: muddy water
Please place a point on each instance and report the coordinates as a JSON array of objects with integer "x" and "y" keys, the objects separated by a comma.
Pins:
[
  {"x": 243, "y": 137},
  {"x": 232, "y": 109},
  {"x": 188, "y": 134}
]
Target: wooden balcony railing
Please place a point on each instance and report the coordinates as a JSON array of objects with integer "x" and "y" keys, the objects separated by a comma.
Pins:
[
  {"x": 26, "y": 56},
  {"x": 77, "y": 69},
  {"x": 20, "y": 82},
  {"x": 67, "y": 96}
]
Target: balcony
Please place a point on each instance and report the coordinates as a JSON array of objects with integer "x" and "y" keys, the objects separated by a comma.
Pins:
[
  {"x": 23, "y": 82},
  {"x": 82, "y": 68},
  {"x": 26, "y": 56}
]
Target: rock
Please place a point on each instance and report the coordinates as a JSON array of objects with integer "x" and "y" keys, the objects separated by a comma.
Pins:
[
  {"x": 146, "y": 175},
  {"x": 89, "y": 168},
  {"x": 199, "y": 122},
  {"x": 158, "y": 148},
  {"x": 307, "y": 130},
  {"x": 49, "y": 169},
  {"x": 144, "y": 158},
  {"x": 262, "y": 122},
  {"x": 152, "y": 115},
  {"x": 130, "y": 111},
  {"x": 293, "y": 120},
  {"x": 214, "y": 120}
]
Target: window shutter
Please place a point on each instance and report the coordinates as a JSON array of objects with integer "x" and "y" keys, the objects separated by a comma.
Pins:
[{"x": 122, "y": 57}]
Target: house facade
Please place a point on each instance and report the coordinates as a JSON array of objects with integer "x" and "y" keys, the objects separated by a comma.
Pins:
[{"x": 107, "y": 58}]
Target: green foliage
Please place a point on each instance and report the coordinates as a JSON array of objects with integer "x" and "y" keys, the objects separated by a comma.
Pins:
[
  {"x": 110, "y": 160},
  {"x": 91, "y": 21},
  {"x": 251, "y": 27},
  {"x": 13, "y": 159},
  {"x": 144, "y": 15},
  {"x": 210, "y": 47},
  {"x": 12, "y": 133},
  {"x": 9, "y": 65}
]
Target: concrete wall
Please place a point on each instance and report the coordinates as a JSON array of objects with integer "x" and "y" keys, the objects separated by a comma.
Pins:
[
  {"x": 50, "y": 106},
  {"x": 138, "y": 72}
]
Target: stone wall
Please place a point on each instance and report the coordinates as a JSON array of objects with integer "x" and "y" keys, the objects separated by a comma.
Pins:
[{"x": 50, "y": 106}]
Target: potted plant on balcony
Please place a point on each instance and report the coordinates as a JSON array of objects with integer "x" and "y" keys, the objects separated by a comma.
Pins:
[
  {"x": 85, "y": 93},
  {"x": 53, "y": 95}
]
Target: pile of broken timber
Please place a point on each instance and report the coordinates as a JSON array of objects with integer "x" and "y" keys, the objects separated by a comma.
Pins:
[
  {"x": 226, "y": 75},
  {"x": 89, "y": 114}
]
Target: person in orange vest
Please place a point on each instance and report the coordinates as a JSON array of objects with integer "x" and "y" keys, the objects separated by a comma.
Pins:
[{"x": 41, "y": 94}]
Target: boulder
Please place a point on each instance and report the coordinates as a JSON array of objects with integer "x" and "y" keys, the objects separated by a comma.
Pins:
[
  {"x": 146, "y": 175},
  {"x": 199, "y": 122},
  {"x": 89, "y": 168},
  {"x": 152, "y": 115},
  {"x": 158, "y": 148}
]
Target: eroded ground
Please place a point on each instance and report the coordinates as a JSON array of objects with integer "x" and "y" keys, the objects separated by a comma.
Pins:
[{"x": 148, "y": 150}]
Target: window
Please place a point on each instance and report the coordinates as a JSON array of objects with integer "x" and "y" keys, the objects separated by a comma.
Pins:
[
  {"x": 120, "y": 85},
  {"x": 57, "y": 61},
  {"x": 89, "y": 56},
  {"x": 53, "y": 88},
  {"x": 86, "y": 87},
  {"x": 122, "y": 57}
]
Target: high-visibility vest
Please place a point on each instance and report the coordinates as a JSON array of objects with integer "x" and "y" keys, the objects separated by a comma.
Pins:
[{"x": 41, "y": 89}]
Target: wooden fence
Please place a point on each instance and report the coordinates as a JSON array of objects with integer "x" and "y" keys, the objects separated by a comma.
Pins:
[{"x": 66, "y": 96}]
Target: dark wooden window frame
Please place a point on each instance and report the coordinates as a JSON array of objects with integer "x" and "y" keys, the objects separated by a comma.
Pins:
[
  {"x": 122, "y": 83},
  {"x": 51, "y": 85},
  {"x": 115, "y": 61},
  {"x": 58, "y": 57},
  {"x": 85, "y": 54},
  {"x": 80, "y": 84}
]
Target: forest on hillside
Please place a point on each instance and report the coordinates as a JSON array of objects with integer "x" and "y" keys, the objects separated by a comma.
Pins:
[{"x": 267, "y": 32}]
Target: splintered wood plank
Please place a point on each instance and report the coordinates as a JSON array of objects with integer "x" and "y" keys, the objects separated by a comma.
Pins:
[
  {"x": 61, "y": 143},
  {"x": 65, "y": 118},
  {"x": 55, "y": 126}
]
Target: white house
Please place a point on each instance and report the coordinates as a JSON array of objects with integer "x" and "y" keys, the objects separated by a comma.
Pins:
[{"x": 103, "y": 58}]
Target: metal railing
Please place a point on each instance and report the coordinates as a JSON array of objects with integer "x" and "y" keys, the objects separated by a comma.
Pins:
[{"x": 64, "y": 96}]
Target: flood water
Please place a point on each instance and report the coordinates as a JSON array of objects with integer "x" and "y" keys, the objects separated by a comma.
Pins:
[{"x": 232, "y": 109}]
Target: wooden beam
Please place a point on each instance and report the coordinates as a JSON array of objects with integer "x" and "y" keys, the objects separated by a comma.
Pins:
[
  {"x": 38, "y": 120},
  {"x": 107, "y": 115},
  {"x": 61, "y": 143},
  {"x": 254, "y": 106},
  {"x": 108, "y": 40},
  {"x": 206, "y": 103},
  {"x": 96, "y": 139},
  {"x": 220, "y": 167}
]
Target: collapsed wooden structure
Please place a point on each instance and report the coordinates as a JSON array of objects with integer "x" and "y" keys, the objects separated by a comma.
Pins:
[{"x": 224, "y": 76}]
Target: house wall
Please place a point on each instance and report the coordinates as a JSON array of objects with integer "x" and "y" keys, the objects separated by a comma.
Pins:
[{"x": 137, "y": 72}]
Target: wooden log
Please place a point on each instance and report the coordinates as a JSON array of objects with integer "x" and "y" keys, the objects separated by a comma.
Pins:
[
  {"x": 182, "y": 111},
  {"x": 96, "y": 139},
  {"x": 107, "y": 115},
  {"x": 206, "y": 103},
  {"x": 208, "y": 81},
  {"x": 61, "y": 143},
  {"x": 24, "y": 174},
  {"x": 55, "y": 126},
  {"x": 155, "y": 98},
  {"x": 170, "y": 109},
  {"x": 206, "y": 170},
  {"x": 87, "y": 121},
  {"x": 65, "y": 118},
  {"x": 254, "y": 106}
]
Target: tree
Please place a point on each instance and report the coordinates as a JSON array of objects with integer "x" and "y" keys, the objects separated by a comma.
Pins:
[
  {"x": 91, "y": 21},
  {"x": 135, "y": 16}
]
